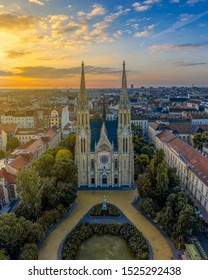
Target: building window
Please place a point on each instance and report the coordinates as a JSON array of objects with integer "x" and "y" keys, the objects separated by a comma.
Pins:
[
  {"x": 104, "y": 180},
  {"x": 92, "y": 181},
  {"x": 92, "y": 164},
  {"x": 116, "y": 164},
  {"x": 116, "y": 181},
  {"x": 82, "y": 146}
]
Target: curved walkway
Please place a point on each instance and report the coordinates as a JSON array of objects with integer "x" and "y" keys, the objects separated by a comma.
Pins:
[{"x": 123, "y": 200}]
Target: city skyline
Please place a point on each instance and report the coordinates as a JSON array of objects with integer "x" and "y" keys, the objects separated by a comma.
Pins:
[{"x": 45, "y": 41}]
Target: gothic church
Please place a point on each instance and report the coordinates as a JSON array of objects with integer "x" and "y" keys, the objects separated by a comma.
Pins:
[{"x": 104, "y": 148}]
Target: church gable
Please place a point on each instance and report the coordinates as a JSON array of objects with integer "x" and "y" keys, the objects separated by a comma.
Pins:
[{"x": 111, "y": 126}]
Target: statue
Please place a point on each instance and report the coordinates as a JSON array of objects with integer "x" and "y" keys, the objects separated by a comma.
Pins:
[{"x": 104, "y": 206}]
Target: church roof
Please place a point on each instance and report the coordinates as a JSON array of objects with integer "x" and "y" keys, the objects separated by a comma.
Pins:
[{"x": 111, "y": 127}]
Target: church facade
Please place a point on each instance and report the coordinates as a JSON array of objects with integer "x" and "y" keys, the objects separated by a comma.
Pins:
[{"x": 104, "y": 149}]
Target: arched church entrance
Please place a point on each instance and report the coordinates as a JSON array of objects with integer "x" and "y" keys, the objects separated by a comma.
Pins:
[{"x": 104, "y": 180}]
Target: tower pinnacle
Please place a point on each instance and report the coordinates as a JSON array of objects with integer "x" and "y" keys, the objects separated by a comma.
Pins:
[
  {"x": 82, "y": 91},
  {"x": 104, "y": 110},
  {"x": 124, "y": 82}
]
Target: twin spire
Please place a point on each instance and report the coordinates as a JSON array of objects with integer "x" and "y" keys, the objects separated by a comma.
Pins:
[{"x": 83, "y": 92}]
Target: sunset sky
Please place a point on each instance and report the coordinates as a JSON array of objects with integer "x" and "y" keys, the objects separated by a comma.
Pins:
[{"x": 43, "y": 42}]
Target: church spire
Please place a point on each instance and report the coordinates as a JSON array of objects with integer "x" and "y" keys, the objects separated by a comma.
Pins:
[
  {"x": 104, "y": 110},
  {"x": 124, "y": 92},
  {"x": 124, "y": 82},
  {"x": 82, "y": 92}
]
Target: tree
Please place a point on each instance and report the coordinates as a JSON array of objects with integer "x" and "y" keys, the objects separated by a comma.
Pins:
[
  {"x": 173, "y": 178},
  {"x": 145, "y": 188},
  {"x": 69, "y": 142},
  {"x": 177, "y": 201},
  {"x": 56, "y": 193},
  {"x": 65, "y": 194},
  {"x": 65, "y": 170},
  {"x": 138, "y": 143},
  {"x": 2, "y": 154},
  {"x": 30, "y": 190},
  {"x": 96, "y": 116},
  {"x": 187, "y": 221},
  {"x": 15, "y": 232},
  {"x": 166, "y": 219},
  {"x": 142, "y": 161},
  {"x": 49, "y": 187},
  {"x": 147, "y": 205},
  {"x": 64, "y": 153},
  {"x": 159, "y": 157},
  {"x": 205, "y": 137},
  {"x": 198, "y": 141},
  {"x": 12, "y": 144},
  {"x": 44, "y": 165},
  {"x": 137, "y": 130},
  {"x": 53, "y": 151},
  {"x": 148, "y": 150},
  {"x": 29, "y": 252},
  {"x": 162, "y": 182},
  {"x": 3, "y": 255}
]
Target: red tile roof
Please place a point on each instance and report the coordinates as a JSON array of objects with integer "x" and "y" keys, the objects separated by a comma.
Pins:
[
  {"x": 8, "y": 127},
  {"x": 33, "y": 145},
  {"x": 19, "y": 162},
  {"x": 181, "y": 128},
  {"x": 196, "y": 161},
  {"x": 8, "y": 178},
  {"x": 50, "y": 133}
]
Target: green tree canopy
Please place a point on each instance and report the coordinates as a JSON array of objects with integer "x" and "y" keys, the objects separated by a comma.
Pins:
[
  {"x": 12, "y": 144},
  {"x": 15, "y": 232},
  {"x": 69, "y": 142},
  {"x": 2, "y": 154},
  {"x": 137, "y": 130},
  {"x": 187, "y": 221},
  {"x": 44, "y": 165},
  {"x": 64, "y": 153},
  {"x": 30, "y": 190},
  {"x": 3, "y": 255},
  {"x": 53, "y": 151},
  {"x": 173, "y": 178},
  {"x": 166, "y": 219},
  {"x": 197, "y": 140},
  {"x": 162, "y": 182},
  {"x": 147, "y": 205},
  {"x": 159, "y": 157},
  {"x": 29, "y": 252},
  {"x": 65, "y": 170}
]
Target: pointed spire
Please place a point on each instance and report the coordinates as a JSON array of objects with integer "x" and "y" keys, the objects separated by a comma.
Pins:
[
  {"x": 104, "y": 130},
  {"x": 124, "y": 82},
  {"x": 82, "y": 91},
  {"x": 124, "y": 93},
  {"x": 104, "y": 109}
]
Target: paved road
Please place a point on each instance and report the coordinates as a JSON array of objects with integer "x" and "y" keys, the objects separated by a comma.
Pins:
[{"x": 122, "y": 199}]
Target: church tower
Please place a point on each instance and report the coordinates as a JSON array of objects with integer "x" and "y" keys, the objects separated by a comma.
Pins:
[
  {"x": 125, "y": 143},
  {"x": 83, "y": 133}
]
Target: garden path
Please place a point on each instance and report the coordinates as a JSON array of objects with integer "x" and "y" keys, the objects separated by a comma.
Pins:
[{"x": 123, "y": 200}]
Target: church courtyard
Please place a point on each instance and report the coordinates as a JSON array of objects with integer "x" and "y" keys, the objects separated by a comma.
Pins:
[{"x": 123, "y": 200}]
